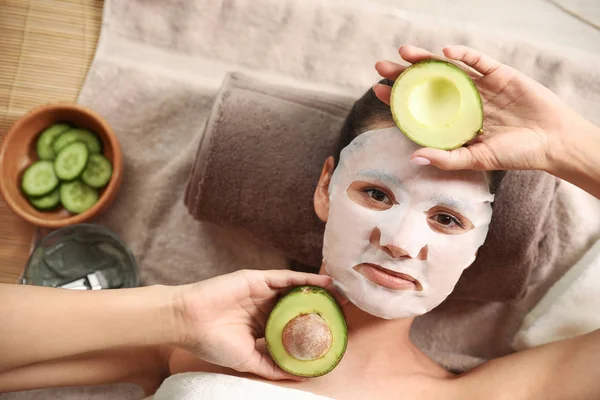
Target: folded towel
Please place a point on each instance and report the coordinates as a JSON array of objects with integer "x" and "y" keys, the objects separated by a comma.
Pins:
[
  {"x": 568, "y": 309},
  {"x": 213, "y": 386}
]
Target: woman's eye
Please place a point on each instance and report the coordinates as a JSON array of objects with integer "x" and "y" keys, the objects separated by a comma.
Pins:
[
  {"x": 371, "y": 196},
  {"x": 446, "y": 223},
  {"x": 447, "y": 220},
  {"x": 377, "y": 195}
]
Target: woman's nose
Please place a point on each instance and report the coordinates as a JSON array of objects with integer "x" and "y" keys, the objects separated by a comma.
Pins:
[{"x": 396, "y": 250}]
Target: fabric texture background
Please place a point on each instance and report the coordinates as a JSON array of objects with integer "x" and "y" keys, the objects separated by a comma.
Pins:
[{"x": 569, "y": 308}]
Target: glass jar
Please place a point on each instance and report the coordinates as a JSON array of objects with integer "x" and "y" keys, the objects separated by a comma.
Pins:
[{"x": 82, "y": 256}]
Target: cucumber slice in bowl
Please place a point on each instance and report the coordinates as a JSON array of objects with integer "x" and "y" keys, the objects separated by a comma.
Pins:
[
  {"x": 98, "y": 171},
  {"x": 77, "y": 197},
  {"x": 92, "y": 141},
  {"x": 74, "y": 135},
  {"x": 44, "y": 142},
  {"x": 39, "y": 179},
  {"x": 71, "y": 161},
  {"x": 47, "y": 202}
]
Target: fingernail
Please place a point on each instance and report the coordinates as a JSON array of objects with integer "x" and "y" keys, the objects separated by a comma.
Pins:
[
  {"x": 448, "y": 47},
  {"x": 420, "y": 161}
]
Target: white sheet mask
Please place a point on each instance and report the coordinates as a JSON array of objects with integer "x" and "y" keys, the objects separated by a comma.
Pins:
[{"x": 401, "y": 238}]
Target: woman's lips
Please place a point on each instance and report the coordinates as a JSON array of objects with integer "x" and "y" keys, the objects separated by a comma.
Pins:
[{"x": 388, "y": 279}]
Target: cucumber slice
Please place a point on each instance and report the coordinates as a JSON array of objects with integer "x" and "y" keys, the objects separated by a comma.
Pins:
[
  {"x": 77, "y": 197},
  {"x": 92, "y": 141},
  {"x": 64, "y": 139},
  {"x": 98, "y": 171},
  {"x": 71, "y": 161},
  {"x": 39, "y": 179},
  {"x": 47, "y": 202},
  {"x": 44, "y": 143},
  {"x": 73, "y": 135}
]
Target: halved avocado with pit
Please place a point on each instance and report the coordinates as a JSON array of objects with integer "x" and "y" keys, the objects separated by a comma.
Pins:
[
  {"x": 436, "y": 104},
  {"x": 306, "y": 332}
]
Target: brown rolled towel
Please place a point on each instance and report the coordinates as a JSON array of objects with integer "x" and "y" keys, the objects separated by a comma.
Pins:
[{"x": 260, "y": 159}]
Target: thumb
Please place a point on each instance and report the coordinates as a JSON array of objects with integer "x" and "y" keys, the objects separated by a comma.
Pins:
[
  {"x": 262, "y": 365},
  {"x": 456, "y": 159}
]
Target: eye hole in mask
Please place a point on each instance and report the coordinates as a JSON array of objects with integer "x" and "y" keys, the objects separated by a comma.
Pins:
[
  {"x": 379, "y": 198},
  {"x": 448, "y": 222},
  {"x": 372, "y": 196}
]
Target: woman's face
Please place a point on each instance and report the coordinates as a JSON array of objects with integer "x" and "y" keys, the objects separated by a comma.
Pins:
[{"x": 398, "y": 236}]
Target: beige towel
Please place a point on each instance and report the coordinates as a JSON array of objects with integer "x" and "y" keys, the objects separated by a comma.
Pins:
[
  {"x": 156, "y": 72},
  {"x": 157, "y": 69}
]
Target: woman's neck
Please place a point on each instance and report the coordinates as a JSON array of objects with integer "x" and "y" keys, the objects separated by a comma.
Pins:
[
  {"x": 384, "y": 332},
  {"x": 384, "y": 345},
  {"x": 381, "y": 343}
]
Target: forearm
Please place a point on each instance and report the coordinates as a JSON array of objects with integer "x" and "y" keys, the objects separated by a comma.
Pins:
[
  {"x": 577, "y": 159},
  {"x": 144, "y": 366},
  {"x": 40, "y": 324},
  {"x": 562, "y": 370}
]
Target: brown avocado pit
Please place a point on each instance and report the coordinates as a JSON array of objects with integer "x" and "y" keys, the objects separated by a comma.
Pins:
[{"x": 307, "y": 337}]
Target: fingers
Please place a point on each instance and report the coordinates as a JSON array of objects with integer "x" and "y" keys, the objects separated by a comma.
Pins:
[
  {"x": 281, "y": 279},
  {"x": 414, "y": 54},
  {"x": 460, "y": 158},
  {"x": 383, "y": 92},
  {"x": 389, "y": 70},
  {"x": 263, "y": 365},
  {"x": 480, "y": 62}
]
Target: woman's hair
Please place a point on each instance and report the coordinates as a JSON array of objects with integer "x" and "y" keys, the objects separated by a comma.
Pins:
[{"x": 369, "y": 113}]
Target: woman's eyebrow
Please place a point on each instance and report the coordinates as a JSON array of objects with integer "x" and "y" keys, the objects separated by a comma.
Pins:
[
  {"x": 382, "y": 176},
  {"x": 450, "y": 202}
]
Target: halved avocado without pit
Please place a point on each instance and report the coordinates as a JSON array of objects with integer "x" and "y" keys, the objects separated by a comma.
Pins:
[
  {"x": 436, "y": 104},
  {"x": 306, "y": 332}
]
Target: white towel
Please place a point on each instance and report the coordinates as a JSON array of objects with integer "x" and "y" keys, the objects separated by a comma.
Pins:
[
  {"x": 568, "y": 309},
  {"x": 213, "y": 386}
]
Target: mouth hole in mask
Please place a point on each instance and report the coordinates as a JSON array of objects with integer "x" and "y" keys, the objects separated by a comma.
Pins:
[{"x": 387, "y": 278}]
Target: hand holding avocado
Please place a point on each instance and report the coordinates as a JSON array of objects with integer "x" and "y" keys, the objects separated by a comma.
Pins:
[
  {"x": 526, "y": 126},
  {"x": 224, "y": 317}
]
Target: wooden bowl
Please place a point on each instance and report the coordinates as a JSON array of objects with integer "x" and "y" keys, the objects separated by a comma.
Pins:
[{"x": 17, "y": 152}]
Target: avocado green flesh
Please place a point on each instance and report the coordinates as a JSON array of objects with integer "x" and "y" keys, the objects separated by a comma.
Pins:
[
  {"x": 436, "y": 104},
  {"x": 305, "y": 300}
]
